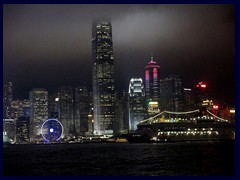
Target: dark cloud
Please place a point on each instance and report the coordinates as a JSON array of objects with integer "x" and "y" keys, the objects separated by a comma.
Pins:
[{"x": 50, "y": 45}]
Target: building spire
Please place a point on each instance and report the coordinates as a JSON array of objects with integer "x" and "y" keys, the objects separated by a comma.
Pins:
[{"x": 151, "y": 56}]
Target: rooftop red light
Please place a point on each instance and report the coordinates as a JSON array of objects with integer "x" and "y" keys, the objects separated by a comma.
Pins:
[
  {"x": 201, "y": 85},
  {"x": 215, "y": 107}
]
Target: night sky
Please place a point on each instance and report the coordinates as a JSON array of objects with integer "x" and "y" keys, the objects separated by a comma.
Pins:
[{"x": 49, "y": 46}]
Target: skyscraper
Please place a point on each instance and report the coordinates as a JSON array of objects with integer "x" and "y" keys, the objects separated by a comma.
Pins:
[
  {"x": 82, "y": 108},
  {"x": 122, "y": 112},
  {"x": 24, "y": 108},
  {"x": 136, "y": 102},
  {"x": 38, "y": 112},
  {"x": 103, "y": 81},
  {"x": 72, "y": 109},
  {"x": 22, "y": 130},
  {"x": 171, "y": 91},
  {"x": 152, "y": 87},
  {"x": 66, "y": 110},
  {"x": 189, "y": 103},
  {"x": 7, "y": 99},
  {"x": 9, "y": 129}
]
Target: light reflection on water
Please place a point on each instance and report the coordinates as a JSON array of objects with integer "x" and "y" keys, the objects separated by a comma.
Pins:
[{"x": 168, "y": 159}]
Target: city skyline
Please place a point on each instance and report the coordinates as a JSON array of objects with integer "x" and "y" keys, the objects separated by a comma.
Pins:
[
  {"x": 119, "y": 89},
  {"x": 40, "y": 52}
]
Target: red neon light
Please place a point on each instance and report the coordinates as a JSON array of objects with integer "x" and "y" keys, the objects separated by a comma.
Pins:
[
  {"x": 215, "y": 106},
  {"x": 203, "y": 85},
  {"x": 147, "y": 75},
  {"x": 155, "y": 73},
  {"x": 152, "y": 66}
]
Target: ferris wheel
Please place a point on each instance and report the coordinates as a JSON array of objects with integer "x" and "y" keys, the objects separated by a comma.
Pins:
[{"x": 52, "y": 130}]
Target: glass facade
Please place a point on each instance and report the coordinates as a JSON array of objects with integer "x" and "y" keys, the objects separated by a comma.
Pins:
[
  {"x": 171, "y": 90},
  {"x": 71, "y": 105},
  {"x": 38, "y": 112},
  {"x": 22, "y": 130},
  {"x": 122, "y": 112},
  {"x": 82, "y": 108},
  {"x": 103, "y": 81},
  {"x": 136, "y": 102},
  {"x": 66, "y": 106}
]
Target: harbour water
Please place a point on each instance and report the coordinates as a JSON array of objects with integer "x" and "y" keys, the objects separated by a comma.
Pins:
[{"x": 197, "y": 158}]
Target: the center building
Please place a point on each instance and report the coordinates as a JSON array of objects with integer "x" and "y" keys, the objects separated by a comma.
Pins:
[
  {"x": 152, "y": 87},
  {"x": 103, "y": 80}
]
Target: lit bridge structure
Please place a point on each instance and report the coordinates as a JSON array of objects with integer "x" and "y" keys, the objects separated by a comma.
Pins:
[{"x": 157, "y": 118}]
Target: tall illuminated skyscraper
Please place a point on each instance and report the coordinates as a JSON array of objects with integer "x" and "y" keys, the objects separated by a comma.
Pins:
[
  {"x": 103, "y": 82},
  {"x": 136, "y": 102},
  {"x": 152, "y": 87}
]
